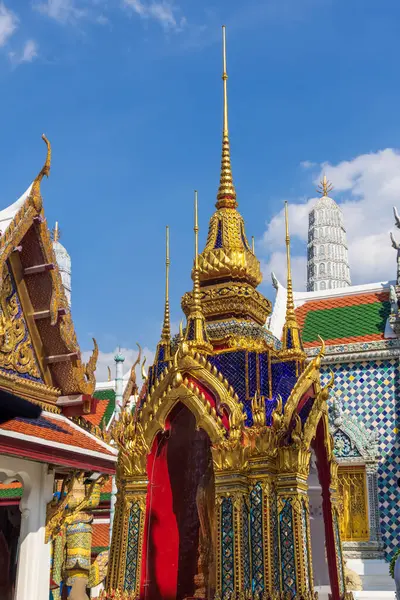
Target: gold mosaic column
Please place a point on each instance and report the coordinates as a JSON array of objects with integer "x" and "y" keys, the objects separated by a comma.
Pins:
[
  {"x": 124, "y": 569},
  {"x": 233, "y": 568},
  {"x": 296, "y": 577},
  {"x": 333, "y": 499},
  {"x": 263, "y": 533}
]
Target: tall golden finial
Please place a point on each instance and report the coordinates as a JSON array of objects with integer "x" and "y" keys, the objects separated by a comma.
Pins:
[
  {"x": 109, "y": 374},
  {"x": 324, "y": 187},
  {"x": 290, "y": 300},
  {"x": 56, "y": 232},
  {"x": 226, "y": 197},
  {"x": 291, "y": 342},
  {"x": 164, "y": 346},
  {"x": 196, "y": 334},
  {"x": 45, "y": 170},
  {"x": 166, "y": 330}
]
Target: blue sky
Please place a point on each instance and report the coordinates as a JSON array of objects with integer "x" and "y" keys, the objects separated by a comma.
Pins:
[{"x": 130, "y": 95}]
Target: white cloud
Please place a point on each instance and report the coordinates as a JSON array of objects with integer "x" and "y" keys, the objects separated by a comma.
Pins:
[
  {"x": 165, "y": 12},
  {"x": 307, "y": 164},
  {"x": 106, "y": 359},
  {"x": 8, "y": 24},
  {"x": 28, "y": 54},
  {"x": 63, "y": 11},
  {"x": 366, "y": 188}
]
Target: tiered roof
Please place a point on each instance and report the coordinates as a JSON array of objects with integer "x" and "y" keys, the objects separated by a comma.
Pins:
[{"x": 353, "y": 314}]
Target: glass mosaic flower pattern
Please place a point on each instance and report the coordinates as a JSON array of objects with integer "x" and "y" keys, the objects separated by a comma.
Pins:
[{"x": 132, "y": 548}]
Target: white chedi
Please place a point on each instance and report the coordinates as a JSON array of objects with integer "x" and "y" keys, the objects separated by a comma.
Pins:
[{"x": 327, "y": 255}]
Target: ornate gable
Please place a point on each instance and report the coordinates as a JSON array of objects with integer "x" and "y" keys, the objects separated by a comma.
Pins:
[{"x": 40, "y": 354}]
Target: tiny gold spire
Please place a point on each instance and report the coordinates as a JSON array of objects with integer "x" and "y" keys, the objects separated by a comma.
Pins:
[
  {"x": 291, "y": 331},
  {"x": 166, "y": 331},
  {"x": 324, "y": 187},
  {"x": 196, "y": 279},
  {"x": 56, "y": 232},
  {"x": 196, "y": 334},
  {"x": 109, "y": 374},
  {"x": 252, "y": 244},
  {"x": 290, "y": 300},
  {"x": 226, "y": 197}
]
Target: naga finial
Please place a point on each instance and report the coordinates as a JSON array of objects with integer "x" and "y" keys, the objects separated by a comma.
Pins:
[{"x": 45, "y": 170}]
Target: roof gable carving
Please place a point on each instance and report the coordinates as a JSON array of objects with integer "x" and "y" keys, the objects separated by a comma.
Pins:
[{"x": 26, "y": 249}]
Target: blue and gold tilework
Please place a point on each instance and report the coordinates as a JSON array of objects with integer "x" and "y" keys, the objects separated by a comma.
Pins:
[
  {"x": 132, "y": 550},
  {"x": 288, "y": 565},
  {"x": 228, "y": 556},
  {"x": 370, "y": 390},
  {"x": 246, "y": 547},
  {"x": 257, "y": 537}
]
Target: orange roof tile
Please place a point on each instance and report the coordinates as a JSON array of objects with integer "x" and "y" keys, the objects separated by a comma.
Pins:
[
  {"x": 344, "y": 319},
  {"x": 101, "y": 535},
  {"x": 55, "y": 430},
  {"x": 95, "y": 418}
]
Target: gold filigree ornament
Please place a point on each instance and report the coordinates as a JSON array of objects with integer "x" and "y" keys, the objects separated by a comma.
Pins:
[
  {"x": 132, "y": 446},
  {"x": 16, "y": 350}
]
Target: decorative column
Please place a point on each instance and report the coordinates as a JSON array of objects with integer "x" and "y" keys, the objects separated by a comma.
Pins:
[
  {"x": 373, "y": 510},
  {"x": 233, "y": 560},
  {"x": 296, "y": 578},
  {"x": 125, "y": 566},
  {"x": 33, "y": 571},
  {"x": 332, "y": 530}
]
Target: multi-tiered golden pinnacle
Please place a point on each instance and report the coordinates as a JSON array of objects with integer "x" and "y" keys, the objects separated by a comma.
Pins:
[
  {"x": 226, "y": 197},
  {"x": 228, "y": 270}
]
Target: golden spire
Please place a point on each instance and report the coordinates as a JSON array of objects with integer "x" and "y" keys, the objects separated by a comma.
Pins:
[
  {"x": 109, "y": 374},
  {"x": 164, "y": 346},
  {"x": 324, "y": 187},
  {"x": 56, "y": 232},
  {"x": 291, "y": 331},
  {"x": 196, "y": 334},
  {"x": 166, "y": 330},
  {"x": 226, "y": 197}
]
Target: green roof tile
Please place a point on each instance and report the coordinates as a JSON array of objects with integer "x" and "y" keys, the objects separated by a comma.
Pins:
[
  {"x": 110, "y": 396},
  {"x": 11, "y": 493},
  {"x": 346, "y": 321}
]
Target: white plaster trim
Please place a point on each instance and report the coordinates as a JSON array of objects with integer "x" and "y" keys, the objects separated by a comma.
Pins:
[
  {"x": 52, "y": 444},
  {"x": 81, "y": 430},
  {"x": 101, "y": 521}
]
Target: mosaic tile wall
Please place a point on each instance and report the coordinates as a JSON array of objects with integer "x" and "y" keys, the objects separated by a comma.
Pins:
[{"x": 371, "y": 391}]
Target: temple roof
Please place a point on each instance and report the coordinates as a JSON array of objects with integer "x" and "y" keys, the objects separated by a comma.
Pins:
[
  {"x": 340, "y": 316},
  {"x": 33, "y": 302},
  {"x": 57, "y": 440}
]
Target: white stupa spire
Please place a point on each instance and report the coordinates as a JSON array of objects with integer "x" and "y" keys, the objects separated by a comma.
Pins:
[
  {"x": 63, "y": 262},
  {"x": 327, "y": 255}
]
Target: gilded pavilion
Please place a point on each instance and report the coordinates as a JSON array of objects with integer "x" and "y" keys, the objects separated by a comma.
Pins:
[{"x": 214, "y": 464}]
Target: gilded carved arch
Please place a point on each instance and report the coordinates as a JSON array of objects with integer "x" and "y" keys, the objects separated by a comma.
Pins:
[
  {"x": 310, "y": 377},
  {"x": 178, "y": 383}
]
